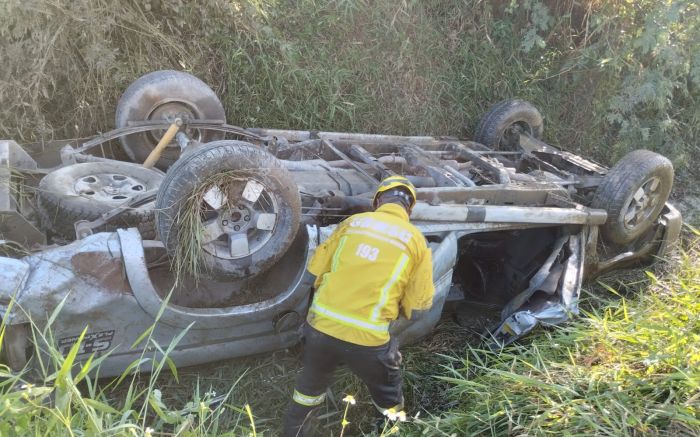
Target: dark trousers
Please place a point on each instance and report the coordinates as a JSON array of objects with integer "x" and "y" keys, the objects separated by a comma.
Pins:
[{"x": 377, "y": 366}]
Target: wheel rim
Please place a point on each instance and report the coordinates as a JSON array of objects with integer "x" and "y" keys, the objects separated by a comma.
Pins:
[
  {"x": 109, "y": 187},
  {"x": 170, "y": 110},
  {"x": 510, "y": 137},
  {"x": 235, "y": 229},
  {"x": 642, "y": 204}
]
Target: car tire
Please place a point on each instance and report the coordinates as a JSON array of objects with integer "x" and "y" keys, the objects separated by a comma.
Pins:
[
  {"x": 85, "y": 191},
  {"x": 246, "y": 165},
  {"x": 498, "y": 129},
  {"x": 165, "y": 95},
  {"x": 633, "y": 193}
]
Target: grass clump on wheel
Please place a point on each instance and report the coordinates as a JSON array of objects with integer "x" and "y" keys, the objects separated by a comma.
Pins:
[{"x": 229, "y": 210}]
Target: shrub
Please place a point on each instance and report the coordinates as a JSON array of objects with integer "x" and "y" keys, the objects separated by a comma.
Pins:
[{"x": 609, "y": 76}]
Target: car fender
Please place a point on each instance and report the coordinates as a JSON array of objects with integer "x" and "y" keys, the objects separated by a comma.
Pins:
[
  {"x": 210, "y": 318},
  {"x": 13, "y": 277}
]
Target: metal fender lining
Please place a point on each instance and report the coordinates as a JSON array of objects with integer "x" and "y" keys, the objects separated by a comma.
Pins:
[
  {"x": 207, "y": 318},
  {"x": 540, "y": 302}
]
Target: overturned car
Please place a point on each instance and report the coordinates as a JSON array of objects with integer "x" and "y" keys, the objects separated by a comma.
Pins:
[{"x": 92, "y": 227}]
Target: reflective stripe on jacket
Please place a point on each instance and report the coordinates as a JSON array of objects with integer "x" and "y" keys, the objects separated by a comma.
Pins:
[{"x": 374, "y": 265}]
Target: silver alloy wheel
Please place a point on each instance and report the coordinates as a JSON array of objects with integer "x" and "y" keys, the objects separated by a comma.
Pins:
[
  {"x": 86, "y": 191},
  {"x": 642, "y": 203},
  {"x": 234, "y": 231},
  {"x": 109, "y": 187}
]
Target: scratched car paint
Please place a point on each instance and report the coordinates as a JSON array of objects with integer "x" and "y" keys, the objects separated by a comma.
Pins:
[{"x": 510, "y": 223}]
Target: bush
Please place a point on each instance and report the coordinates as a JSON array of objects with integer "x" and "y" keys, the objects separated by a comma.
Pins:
[{"x": 609, "y": 76}]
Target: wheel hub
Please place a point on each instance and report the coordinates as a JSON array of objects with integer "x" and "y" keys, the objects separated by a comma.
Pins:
[
  {"x": 108, "y": 187},
  {"x": 240, "y": 229},
  {"x": 642, "y": 203},
  {"x": 171, "y": 110},
  {"x": 236, "y": 219}
]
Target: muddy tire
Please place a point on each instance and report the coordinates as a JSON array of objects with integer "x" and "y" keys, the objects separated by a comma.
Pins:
[
  {"x": 500, "y": 127},
  {"x": 633, "y": 193},
  {"x": 248, "y": 204},
  {"x": 165, "y": 95},
  {"x": 86, "y": 191}
]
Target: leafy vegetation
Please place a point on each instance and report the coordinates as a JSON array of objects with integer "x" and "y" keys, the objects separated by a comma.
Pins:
[
  {"x": 609, "y": 76},
  {"x": 60, "y": 397}
]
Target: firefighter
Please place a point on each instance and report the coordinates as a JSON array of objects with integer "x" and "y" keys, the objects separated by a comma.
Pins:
[{"x": 375, "y": 266}]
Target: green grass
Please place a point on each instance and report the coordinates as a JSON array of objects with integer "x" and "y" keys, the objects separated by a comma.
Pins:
[
  {"x": 405, "y": 67},
  {"x": 629, "y": 366},
  {"x": 60, "y": 397}
]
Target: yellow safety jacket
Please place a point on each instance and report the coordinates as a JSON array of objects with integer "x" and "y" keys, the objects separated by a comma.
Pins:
[{"x": 372, "y": 265}]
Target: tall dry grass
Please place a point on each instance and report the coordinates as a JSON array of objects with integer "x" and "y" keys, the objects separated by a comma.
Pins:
[{"x": 609, "y": 76}]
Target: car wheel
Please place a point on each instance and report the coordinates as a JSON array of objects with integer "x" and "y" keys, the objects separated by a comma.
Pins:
[
  {"x": 633, "y": 193},
  {"x": 86, "y": 191},
  {"x": 245, "y": 204},
  {"x": 166, "y": 95},
  {"x": 501, "y": 127}
]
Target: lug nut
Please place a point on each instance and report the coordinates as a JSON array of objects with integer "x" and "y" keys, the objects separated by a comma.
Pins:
[
  {"x": 224, "y": 222},
  {"x": 246, "y": 218},
  {"x": 236, "y": 228}
]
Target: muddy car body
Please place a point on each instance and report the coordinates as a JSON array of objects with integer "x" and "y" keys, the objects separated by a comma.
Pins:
[{"x": 515, "y": 224}]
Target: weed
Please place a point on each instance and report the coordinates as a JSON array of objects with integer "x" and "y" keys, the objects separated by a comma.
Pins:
[
  {"x": 629, "y": 367},
  {"x": 57, "y": 394}
]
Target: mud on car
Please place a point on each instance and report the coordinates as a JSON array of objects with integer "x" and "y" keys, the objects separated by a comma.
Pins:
[{"x": 90, "y": 227}]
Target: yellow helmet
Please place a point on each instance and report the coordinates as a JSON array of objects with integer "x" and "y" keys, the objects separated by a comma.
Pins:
[{"x": 394, "y": 182}]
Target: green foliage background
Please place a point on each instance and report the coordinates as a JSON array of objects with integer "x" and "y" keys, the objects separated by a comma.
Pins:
[{"x": 609, "y": 76}]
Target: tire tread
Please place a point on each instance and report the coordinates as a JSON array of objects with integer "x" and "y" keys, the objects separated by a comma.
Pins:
[
  {"x": 621, "y": 181},
  {"x": 503, "y": 114},
  {"x": 194, "y": 168},
  {"x": 58, "y": 211}
]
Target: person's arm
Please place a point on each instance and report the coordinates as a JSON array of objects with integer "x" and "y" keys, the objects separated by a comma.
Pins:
[
  {"x": 419, "y": 292},
  {"x": 321, "y": 261}
]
